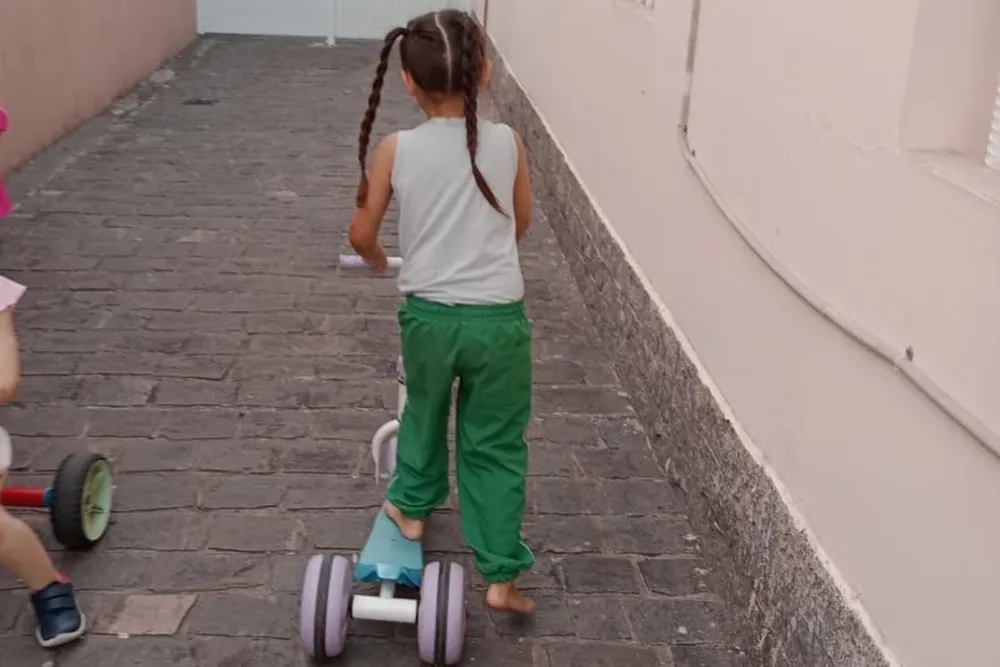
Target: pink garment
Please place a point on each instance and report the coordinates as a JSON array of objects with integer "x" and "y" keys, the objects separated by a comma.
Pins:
[
  {"x": 5, "y": 204},
  {"x": 10, "y": 292}
]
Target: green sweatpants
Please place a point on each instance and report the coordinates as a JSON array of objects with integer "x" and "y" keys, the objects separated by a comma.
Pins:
[{"x": 488, "y": 350}]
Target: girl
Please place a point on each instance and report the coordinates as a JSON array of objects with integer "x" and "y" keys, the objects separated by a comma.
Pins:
[
  {"x": 21, "y": 552},
  {"x": 465, "y": 204}
]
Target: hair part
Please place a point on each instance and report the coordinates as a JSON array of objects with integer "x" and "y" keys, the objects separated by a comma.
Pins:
[{"x": 445, "y": 54}]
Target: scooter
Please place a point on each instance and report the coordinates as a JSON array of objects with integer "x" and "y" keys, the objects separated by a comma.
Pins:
[{"x": 390, "y": 560}]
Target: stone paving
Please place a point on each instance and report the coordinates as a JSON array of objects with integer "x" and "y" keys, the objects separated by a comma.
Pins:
[{"x": 185, "y": 316}]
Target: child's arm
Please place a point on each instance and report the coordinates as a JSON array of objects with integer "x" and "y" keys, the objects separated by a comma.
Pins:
[
  {"x": 522, "y": 192},
  {"x": 367, "y": 220},
  {"x": 10, "y": 362}
]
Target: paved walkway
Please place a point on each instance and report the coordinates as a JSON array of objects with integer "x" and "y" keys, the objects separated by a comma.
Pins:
[{"x": 185, "y": 317}]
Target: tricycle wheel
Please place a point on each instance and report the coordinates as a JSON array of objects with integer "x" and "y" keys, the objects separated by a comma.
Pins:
[{"x": 81, "y": 500}]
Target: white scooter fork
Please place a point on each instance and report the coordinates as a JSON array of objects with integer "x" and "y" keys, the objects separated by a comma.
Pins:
[{"x": 385, "y": 438}]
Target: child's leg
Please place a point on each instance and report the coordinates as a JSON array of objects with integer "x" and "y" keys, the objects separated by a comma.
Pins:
[
  {"x": 10, "y": 361},
  {"x": 420, "y": 483},
  {"x": 52, "y": 596},
  {"x": 22, "y": 553},
  {"x": 494, "y": 407}
]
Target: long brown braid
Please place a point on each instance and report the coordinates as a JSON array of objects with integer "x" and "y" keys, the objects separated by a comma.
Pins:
[
  {"x": 438, "y": 69},
  {"x": 473, "y": 57},
  {"x": 374, "y": 99}
]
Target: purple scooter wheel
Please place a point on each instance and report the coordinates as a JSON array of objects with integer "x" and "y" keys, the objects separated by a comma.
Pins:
[
  {"x": 441, "y": 616},
  {"x": 325, "y": 607}
]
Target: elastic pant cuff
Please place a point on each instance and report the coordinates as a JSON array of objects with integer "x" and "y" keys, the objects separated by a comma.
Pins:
[{"x": 504, "y": 575}]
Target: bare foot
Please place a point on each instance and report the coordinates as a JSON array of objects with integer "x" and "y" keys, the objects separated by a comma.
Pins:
[
  {"x": 411, "y": 529},
  {"x": 506, "y": 597}
]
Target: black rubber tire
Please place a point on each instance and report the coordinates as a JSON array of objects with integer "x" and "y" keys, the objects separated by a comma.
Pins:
[{"x": 67, "y": 501}]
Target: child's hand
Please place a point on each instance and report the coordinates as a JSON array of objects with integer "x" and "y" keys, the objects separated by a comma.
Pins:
[
  {"x": 380, "y": 262},
  {"x": 10, "y": 362}
]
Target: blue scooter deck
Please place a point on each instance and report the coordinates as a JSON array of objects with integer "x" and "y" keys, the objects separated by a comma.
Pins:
[{"x": 388, "y": 556}]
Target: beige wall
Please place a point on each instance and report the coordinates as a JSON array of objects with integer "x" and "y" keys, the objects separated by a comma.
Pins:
[
  {"x": 801, "y": 113},
  {"x": 63, "y": 61}
]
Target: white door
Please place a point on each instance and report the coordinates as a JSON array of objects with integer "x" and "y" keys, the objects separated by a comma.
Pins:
[
  {"x": 329, "y": 19},
  {"x": 298, "y": 18},
  {"x": 372, "y": 19}
]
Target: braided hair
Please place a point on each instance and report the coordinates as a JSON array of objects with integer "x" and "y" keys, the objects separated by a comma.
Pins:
[{"x": 445, "y": 53}]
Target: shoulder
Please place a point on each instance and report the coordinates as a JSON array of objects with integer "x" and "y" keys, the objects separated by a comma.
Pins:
[
  {"x": 504, "y": 130},
  {"x": 385, "y": 152},
  {"x": 505, "y": 135},
  {"x": 388, "y": 143},
  {"x": 496, "y": 127}
]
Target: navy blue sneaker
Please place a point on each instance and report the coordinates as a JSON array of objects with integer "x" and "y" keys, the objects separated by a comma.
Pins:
[{"x": 60, "y": 620}]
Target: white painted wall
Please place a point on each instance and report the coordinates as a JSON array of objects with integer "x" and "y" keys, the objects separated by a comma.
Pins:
[
  {"x": 329, "y": 19},
  {"x": 63, "y": 61},
  {"x": 803, "y": 114}
]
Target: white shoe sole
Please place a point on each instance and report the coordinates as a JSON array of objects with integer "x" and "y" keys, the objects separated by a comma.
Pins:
[{"x": 65, "y": 638}]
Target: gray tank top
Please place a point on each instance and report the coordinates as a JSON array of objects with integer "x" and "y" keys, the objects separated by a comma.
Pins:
[{"x": 456, "y": 248}]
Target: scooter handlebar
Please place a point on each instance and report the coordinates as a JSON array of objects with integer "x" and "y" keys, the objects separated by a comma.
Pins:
[{"x": 358, "y": 262}]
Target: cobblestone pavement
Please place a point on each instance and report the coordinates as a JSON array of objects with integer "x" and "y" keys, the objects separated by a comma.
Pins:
[{"x": 185, "y": 316}]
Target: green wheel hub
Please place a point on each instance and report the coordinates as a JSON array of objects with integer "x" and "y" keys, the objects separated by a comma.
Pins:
[{"x": 98, "y": 490}]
